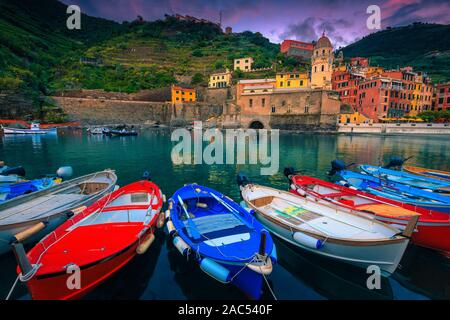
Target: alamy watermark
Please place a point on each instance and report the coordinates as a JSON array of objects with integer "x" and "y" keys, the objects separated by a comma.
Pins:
[
  {"x": 374, "y": 20},
  {"x": 230, "y": 146},
  {"x": 74, "y": 20},
  {"x": 374, "y": 280}
]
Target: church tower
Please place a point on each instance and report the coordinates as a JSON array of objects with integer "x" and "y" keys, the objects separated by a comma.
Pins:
[{"x": 322, "y": 64}]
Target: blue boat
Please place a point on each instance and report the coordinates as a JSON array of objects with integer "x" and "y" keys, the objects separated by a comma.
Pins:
[
  {"x": 390, "y": 189},
  {"x": 226, "y": 241},
  {"x": 407, "y": 178},
  {"x": 11, "y": 191}
]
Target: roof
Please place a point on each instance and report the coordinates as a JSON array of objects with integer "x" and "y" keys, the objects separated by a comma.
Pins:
[
  {"x": 177, "y": 87},
  {"x": 248, "y": 81},
  {"x": 323, "y": 42}
]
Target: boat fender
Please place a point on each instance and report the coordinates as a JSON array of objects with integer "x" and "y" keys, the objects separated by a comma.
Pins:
[
  {"x": 202, "y": 205},
  {"x": 25, "y": 234},
  {"x": 164, "y": 198},
  {"x": 65, "y": 172},
  {"x": 161, "y": 220},
  {"x": 171, "y": 228},
  {"x": 293, "y": 186},
  {"x": 181, "y": 246},
  {"x": 301, "y": 192},
  {"x": 215, "y": 270},
  {"x": 144, "y": 245},
  {"x": 167, "y": 215},
  {"x": 308, "y": 241}
]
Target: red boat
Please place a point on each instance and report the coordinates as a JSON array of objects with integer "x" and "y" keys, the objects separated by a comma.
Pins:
[
  {"x": 432, "y": 230},
  {"x": 97, "y": 242}
]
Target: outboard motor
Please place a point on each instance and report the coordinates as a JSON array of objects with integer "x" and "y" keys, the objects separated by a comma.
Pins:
[
  {"x": 65, "y": 172},
  {"x": 336, "y": 166},
  {"x": 289, "y": 171},
  {"x": 146, "y": 175},
  {"x": 396, "y": 162},
  {"x": 242, "y": 180}
]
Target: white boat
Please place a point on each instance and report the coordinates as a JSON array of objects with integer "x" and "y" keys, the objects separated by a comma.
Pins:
[
  {"x": 98, "y": 130},
  {"x": 44, "y": 210},
  {"x": 34, "y": 129},
  {"x": 328, "y": 230}
]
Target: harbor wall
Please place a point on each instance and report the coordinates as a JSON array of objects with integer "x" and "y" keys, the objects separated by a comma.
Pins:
[{"x": 392, "y": 128}]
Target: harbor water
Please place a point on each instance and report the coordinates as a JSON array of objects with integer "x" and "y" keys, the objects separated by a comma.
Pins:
[{"x": 162, "y": 273}]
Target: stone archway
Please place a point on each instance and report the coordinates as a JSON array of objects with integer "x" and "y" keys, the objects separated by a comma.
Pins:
[{"x": 255, "y": 124}]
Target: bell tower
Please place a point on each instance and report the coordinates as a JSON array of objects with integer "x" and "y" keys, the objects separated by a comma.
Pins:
[{"x": 322, "y": 64}]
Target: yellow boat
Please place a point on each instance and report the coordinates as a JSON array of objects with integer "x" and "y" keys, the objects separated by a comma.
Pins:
[{"x": 430, "y": 173}]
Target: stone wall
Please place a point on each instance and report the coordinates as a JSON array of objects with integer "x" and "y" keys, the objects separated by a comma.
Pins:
[{"x": 13, "y": 106}]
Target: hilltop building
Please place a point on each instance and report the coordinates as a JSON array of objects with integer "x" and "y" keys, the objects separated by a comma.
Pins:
[
  {"x": 243, "y": 64},
  {"x": 220, "y": 80},
  {"x": 181, "y": 94},
  {"x": 298, "y": 49},
  {"x": 228, "y": 30},
  {"x": 322, "y": 64},
  {"x": 442, "y": 99}
]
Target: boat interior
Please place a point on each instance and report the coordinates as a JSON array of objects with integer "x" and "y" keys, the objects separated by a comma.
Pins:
[
  {"x": 287, "y": 211},
  {"x": 212, "y": 222}
]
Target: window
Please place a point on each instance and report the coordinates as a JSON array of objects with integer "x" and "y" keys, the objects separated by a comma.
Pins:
[
  {"x": 288, "y": 83},
  {"x": 239, "y": 61},
  {"x": 323, "y": 68},
  {"x": 250, "y": 103},
  {"x": 273, "y": 109},
  {"x": 178, "y": 99},
  {"x": 315, "y": 69},
  {"x": 283, "y": 103},
  {"x": 177, "y": 92},
  {"x": 301, "y": 82},
  {"x": 281, "y": 84},
  {"x": 306, "y": 109},
  {"x": 263, "y": 102}
]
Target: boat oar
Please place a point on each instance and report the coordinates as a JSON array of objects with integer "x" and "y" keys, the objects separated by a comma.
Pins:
[
  {"x": 234, "y": 211},
  {"x": 192, "y": 227}
]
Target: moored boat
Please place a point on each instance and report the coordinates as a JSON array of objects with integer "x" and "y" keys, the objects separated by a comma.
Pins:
[
  {"x": 13, "y": 190},
  {"x": 51, "y": 207},
  {"x": 34, "y": 129},
  {"x": 121, "y": 133},
  {"x": 432, "y": 230},
  {"x": 409, "y": 179},
  {"x": 430, "y": 173},
  {"x": 223, "y": 238},
  {"x": 328, "y": 230},
  {"x": 97, "y": 242}
]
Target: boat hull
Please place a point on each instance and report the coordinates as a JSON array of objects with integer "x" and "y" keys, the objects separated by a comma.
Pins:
[
  {"x": 55, "y": 287},
  {"x": 429, "y": 173},
  {"x": 386, "y": 257},
  {"x": 28, "y": 131}
]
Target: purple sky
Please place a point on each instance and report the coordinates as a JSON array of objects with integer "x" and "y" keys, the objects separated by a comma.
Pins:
[{"x": 343, "y": 20}]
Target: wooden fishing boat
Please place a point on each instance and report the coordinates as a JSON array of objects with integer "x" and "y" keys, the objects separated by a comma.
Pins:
[
  {"x": 223, "y": 238},
  {"x": 409, "y": 179},
  {"x": 432, "y": 230},
  {"x": 52, "y": 206},
  {"x": 97, "y": 242},
  {"x": 34, "y": 129},
  {"x": 13, "y": 190},
  {"x": 430, "y": 173},
  {"x": 328, "y": 230},
  {"x": 121, "y": 133}
]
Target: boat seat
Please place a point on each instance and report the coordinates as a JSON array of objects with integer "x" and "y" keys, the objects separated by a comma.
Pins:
[{"x": 213, "y": 224}]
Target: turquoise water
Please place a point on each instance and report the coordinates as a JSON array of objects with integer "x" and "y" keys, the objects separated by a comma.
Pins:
[{"x": 163, "y": 274}]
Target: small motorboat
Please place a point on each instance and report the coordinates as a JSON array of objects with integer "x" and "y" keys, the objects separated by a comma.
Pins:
[
  {"x": 409, "y": 179},
  {"x": 34, "y": 129},
  {"x": 121, "y": 132},
  {"x": 50, "y": 207},
  {"x": 389, "y": 189},
  {"x": 11, "y": 191},
  {"x": 327, "y": 229},
  {"x": 226, "y": 241},
  {"x": 98, "y": 130},
  {"x": 429, "y": 173},
  {"x": 432, "y": 230},
  {"x": 97, "y": 242},
  {"x": 6, "y": 171}
]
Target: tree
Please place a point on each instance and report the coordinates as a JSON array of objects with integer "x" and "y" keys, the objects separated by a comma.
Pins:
[{"x": 197, "y": 79}]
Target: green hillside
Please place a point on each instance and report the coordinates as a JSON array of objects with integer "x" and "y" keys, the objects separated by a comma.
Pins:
[{"x": 426, "y": 47}]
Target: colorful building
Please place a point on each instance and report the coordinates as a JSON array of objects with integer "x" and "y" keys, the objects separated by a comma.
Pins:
[
  {"x": 322, "y": 64},
  {"x": 183, "y": 94},
  {"x": 220, "y": 80},
  {"x": 286, "y": 80},
  {"x": 442, "y": 99},
  {"x": 243, "y": 64},
  {"x": 299, "y": 49}
]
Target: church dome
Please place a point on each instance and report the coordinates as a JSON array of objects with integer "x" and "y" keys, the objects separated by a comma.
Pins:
[{"x": 323, "y": 42}]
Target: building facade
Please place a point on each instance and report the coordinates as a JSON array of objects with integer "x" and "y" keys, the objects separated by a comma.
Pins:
[
  {"x": 298, "y": 49},
  {"x": 243, "y": 64},
  {"x": 442, "y": 99},
  {"x": 322, "y": 64},
  {"x": 183, "y": 94},
  {"x": 220, "y": 80},
  {"x": 292, "y": 80}
]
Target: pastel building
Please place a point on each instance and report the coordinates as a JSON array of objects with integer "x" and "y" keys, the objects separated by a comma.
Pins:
[
  {"x": 322, "y": 64},
  {"x": 183, "y": 94},
  {"x": 442, "y": 99},
  {"x": 220, "y": 80},
  {"x": 288, "y": 80},
  {"x": 243, "y": 64}
]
